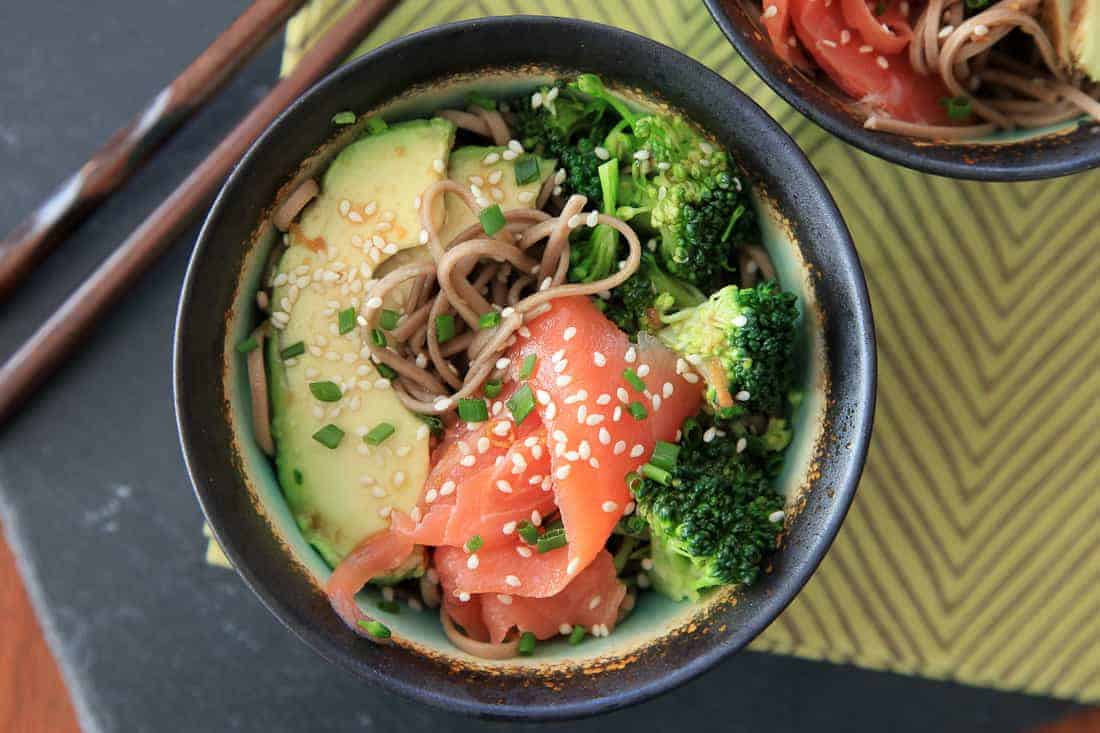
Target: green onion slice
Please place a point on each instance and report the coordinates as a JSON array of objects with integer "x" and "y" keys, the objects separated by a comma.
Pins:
[
  {"x": 492, "y": 219},
  {"x": 521, "y": 404},
  {"x": 347, "y": 117},
  {"x": 492, "y": 388},
  {"x": 472, "y": 409},
  {"x": 527, "y": 532},
  {"x": 527, "y": 169},
  {"x": 376, "y": 125},
  {"x": 389, "y": 318},
  {"x": 528, "y": 367},
  {"x": 637, "y": 409},
  {"x": 578, "y": 635},
  {"x": 634, "y": 380},
  {"x": 527, "y": 644},
  {"x": 474, "y": 544},
  {"x": 377, "y": 337},
  {"x": 552, "y": 541},
  {"x": 659, "y": 475},
  {"x": 346, "y": 319},
  {"x": 665, "y": 455},
  {"x": 489, "y": 320},
  {"x": 435, "y": 425},
  {"x": 374, "y": 628},
  {"x": 326, "y": 391},
  {"x": 249, "y": 344},
  {"x": 386, "y": 371},
  {"x": 293, "y": 350},
  {"x": 329, "y": 436},
  {"x": 445, "y": 328},
  {"x": 379, "y": 433}
]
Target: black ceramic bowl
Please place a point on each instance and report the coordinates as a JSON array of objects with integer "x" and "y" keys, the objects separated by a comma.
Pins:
[
  {"x": 1057, "y": 151},
  {"x": 662, "y": 644}
]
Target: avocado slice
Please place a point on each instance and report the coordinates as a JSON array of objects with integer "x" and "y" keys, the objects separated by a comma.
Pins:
[
  {"x": 1074, "y": 29},
  {"x": 468, "y": 165},
  {"x": 342, "y": 495}
]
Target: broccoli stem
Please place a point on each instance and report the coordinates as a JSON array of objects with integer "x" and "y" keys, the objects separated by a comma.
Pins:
[{"x": 622, "y": 555}]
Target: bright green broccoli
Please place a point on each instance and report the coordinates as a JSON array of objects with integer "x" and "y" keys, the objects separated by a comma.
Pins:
[
  {"x": 596, "y": 257},
  {"x": 712, "y": 515},
  {"x": 742, "y": 340}
]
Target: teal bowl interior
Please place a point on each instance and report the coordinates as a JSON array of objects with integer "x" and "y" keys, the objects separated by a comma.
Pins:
[{"x": 654, "y": 616}]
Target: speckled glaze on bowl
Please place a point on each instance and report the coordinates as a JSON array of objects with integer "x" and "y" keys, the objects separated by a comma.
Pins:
[
  {"x": 661, "y": 644},
  {"x": 1057, "y": 150}
]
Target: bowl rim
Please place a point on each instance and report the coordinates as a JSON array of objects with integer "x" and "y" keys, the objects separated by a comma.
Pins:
[
  {"x": 956, "y": 160},
  {"x": 863, "y": 366}
]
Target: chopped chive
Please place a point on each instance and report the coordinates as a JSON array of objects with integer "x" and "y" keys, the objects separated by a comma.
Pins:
[
  {"x": 528, "y": 367},
  {"x": 377, "y": 337},
  {"x": 552, "y": 541},
  {"x": 472, "y": 409},
  {"x": 293, "y": 350},
  {"x": 665, "y": 455},
  {"x": 527, "y": 169},
  {"x": 389, "y": 318},
  {"x": 374, "y": 628},
  {"x": 633, "y": 482},
  {"x": 347, "y": 117},
  {"x": 475, "y": 543},
  {"x": 445, "y": 328},
  {"x": 492, "y": 219},
  {"x": 249, "y": 344},
  {"x": 659, "y": 475},
  {"x": 298, "y": 477},
  {"x": 326, "y": 391},
  {"x": 601, "y": 305},
  {"x": 635, "y": 381},
  {"x": 435, "y": 425},
  {"x": 329, "y": 436},
  {"x": 527, "y": 644},
  {"x": 521, "y": 403},
  {"x": 577, "y": 636},
  {"x": 554, "y": 526},
  {"x": 346, "y": 320},
  {"x": 376, "y": 125},
  {"x": 527, "y": 532},
  {"x": 476, "y": 99},
  {"x": 386, "y": 371},
  {"x": 492, "y": 388},
  {"x": 637, "y": 409},
  {"x": 489, "y": 320},
  {"x": 737, "y": 213},
  {"x": 379, "y": 433},
  {"x": 389, "y": 606}
]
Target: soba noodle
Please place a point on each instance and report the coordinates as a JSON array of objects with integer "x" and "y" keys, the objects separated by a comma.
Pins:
[{"x": 962, "y": 53}]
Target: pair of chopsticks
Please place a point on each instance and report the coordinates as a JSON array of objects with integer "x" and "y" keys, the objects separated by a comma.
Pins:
[{"x": 124, "y": 153}]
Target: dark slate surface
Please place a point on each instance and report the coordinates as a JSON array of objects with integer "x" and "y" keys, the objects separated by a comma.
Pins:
[{"x": 93, "y": 492}]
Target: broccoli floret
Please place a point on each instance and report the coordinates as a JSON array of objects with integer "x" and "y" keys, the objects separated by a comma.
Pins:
[
  {"x": 648, "y": 296},
  {"x": 596, "y": 257},
  {"x": 778, "y": 435},
  {"x": 710, "y": 518},
  {"x": 742, "y": 340}
]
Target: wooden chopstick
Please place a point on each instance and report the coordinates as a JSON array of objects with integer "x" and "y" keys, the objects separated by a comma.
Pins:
[
  {"x": 53, "y": 341},
  {"x": 131, "y": 146}
]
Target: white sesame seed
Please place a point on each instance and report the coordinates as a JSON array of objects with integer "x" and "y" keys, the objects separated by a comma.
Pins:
[
  {"x": 709, "y": 434},
  {"x": 502, "y": 428},
  {"x": 604, "y": 436},
  {"x": 573, "y": 566},
  {"x": 742, "y": 396},
  {"x": 655, "y": 400},
  {"x": 617, "y": 414},
  {"x": 593, "y": 219},
  {"x": 643, "y": 370},
  {"x": 609, "y": 506},
  {"x": 641, "y": 155},
  {"x": 593, "y": 420},
  {"x": 385, "y": 511},
  {"x": 439, "y": 166},
  {"x": 561, "y": 366},
  {"x": 374, "y": 302},
  {"x": 523, "y": 551},
  {"x": 601, "y": 153},
  {"x": 565, "y": 629},
  {"x": 882, "y": 62},
  {"x": 447, "y": 488},
  {"x": 866, "y": 49},
  {"x": 525, "y": 197},
  {"x": 572, "y": 456},
  {"x": 509, "y": 155},
  {"x": 631, "y": 355},
  {"x": 443, "y": 403},
  {"x": 562, "y": 472},
  {"x": 642, "y": 580},
  {"x": 515, "y": 146},
  {"x": 431, "y": 496},
  {"x": 512, "y": 581},
  {"x": 569, "y": 333},
  {"x": 827, "y": 43},
  {"x": 845, "y": 37},
  {"x": 981, "y": 30},
  {"x": 472, "y": 562},
  {"x": 536, "y": 100},
  {"x": 483, "y": 444},
  {"x": 563, "y": 380},
  {"x": 422, "y": 432},
  {"x": 491, "y": 158},
  {"x": 770, "y": 12},
  {"x": 463, "y": 596},
  {"x": 691, "y": 377},
  {"x": 496, "y": 193},
  {"x": 536, "y": 518},
  {"x": 603, "y": 399},
  {"x": 508, "y": 528},
  {"x": 468, "y": 461},
  {"x": 946, "y": 31}
]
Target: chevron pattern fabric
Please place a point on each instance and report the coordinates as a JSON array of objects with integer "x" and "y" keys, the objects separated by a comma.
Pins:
[{"x": 972, "y": 552}]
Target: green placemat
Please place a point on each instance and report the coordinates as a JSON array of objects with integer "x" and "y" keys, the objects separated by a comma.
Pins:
[{"x": 972, "y": 551}]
